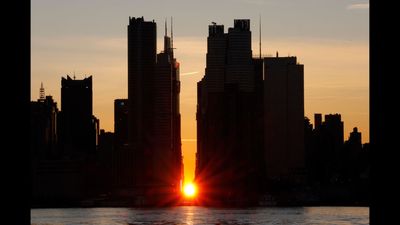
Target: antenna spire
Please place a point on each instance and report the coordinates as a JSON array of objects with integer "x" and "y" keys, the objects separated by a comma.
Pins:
[
  {"x": 41, "y": 92},
  {"x": 260, "y": 36},
  {"x": 165, "y": 26},
  {"x": 172, "y": 35}
]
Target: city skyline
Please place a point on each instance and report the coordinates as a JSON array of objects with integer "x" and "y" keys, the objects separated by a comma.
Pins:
[{"x": 336, "y": 79}]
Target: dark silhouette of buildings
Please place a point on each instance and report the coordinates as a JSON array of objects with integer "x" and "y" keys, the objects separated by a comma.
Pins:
[
  {"x": 229, "y": 119},
  {"x": 352, "y": 159},
  {"x": 122, "y": 157},
  {"x": 65, "y": 167},
  {"x": 239, "y": 64},
  {"x": 142, "y": 60},
  {"x": 338, "y": 170},
  {"x": 105, "y": 173},
  {"x": 78, "y": 127},
  {"x": 141, "y": 164},
  {"x": 43, "y": 127},
  {"x": 284, "y": 118},
  {"x": 167, "y": 144},
  {"x": 254, "y": 145},
  {"x": 318, "y": 120},
  {"x": 326, "y": 144},
  {"x": 153, "y": 115},
  {"x": 333, "y": 126},
  {"x": 79, "y": 133}
]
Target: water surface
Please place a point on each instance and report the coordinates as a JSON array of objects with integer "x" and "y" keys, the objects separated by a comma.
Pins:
[{"x": 201, "y": 215}]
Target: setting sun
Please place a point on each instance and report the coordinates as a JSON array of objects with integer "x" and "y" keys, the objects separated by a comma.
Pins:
[{"x": 189, "y": 190}]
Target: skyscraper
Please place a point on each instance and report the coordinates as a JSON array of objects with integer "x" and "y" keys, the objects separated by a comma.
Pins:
[
  {"x": 329, "y": 140},
  {"x": 216, "y": 58},
  {"x": 250, "y": 118},
  {"x": 142, "y": 46},
  {"x": 239, "y": 65},
  {"x": 43, "y": 128},
  {"x": 334, "y": 129},
  {"x": 283, "y": 117},
  {"x": 166, "y": 139},
  {"x": 153, "y": 113},
  {"x": 70, "y": 175},
  {"x": 229, "y": 147},
  {"x": 78, "y": 127},
  {"x": 122, "y": 157}
]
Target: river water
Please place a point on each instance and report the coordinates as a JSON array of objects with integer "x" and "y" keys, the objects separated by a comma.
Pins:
[{"x": 201, "y": 215}]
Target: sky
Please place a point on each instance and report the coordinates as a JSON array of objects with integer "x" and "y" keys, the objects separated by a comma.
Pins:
[{"x": 89, "y": 38}]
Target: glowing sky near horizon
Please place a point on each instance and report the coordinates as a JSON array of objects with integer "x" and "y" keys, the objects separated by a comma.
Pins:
[{"x": 331, "y": 39}]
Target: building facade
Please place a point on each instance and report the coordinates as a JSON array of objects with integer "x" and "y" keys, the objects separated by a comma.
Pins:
[
  {"x": 153, "y": 114},
  {"x": 229, "y": 146},
  {"x": 283, "y": 117},
  {"x": 250, "y": 118},
  {"x": 43, "y": 127},
  {"x": 78, "y": 128}
]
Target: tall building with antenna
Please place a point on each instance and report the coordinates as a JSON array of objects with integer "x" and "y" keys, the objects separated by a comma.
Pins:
[
  {"x": 167, "y": 139},
  {"x": 153, "y": 113},
  {"x": 44, "y": 135},
  {"x": 250, "y": 118}
]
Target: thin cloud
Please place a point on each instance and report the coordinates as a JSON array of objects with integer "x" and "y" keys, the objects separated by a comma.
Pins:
[
  {"x": 358, "y": 6},
  {"x": 188, "y": 140},
  {"x": 189, "y": 73}
]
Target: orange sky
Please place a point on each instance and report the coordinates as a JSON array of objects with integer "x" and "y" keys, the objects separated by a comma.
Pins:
[
  {"x": 89, "y": 38},
  {"x": 336, "y": 78}
]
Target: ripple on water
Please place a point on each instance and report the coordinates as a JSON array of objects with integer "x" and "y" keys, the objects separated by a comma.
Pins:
[{"x": 188, "y": 215}]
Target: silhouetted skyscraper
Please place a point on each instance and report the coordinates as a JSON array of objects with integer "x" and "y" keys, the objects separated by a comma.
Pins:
[
  {"x": 78, "y": 127},
  {"x": 334, "y": 130},
  {"x": 283, "y": 117},
  {"x": 142, "y": 46},
  {"x": 71, "y": 174},
  {"x": 43, "y": 128},
  {"x": 239, "y": 65},
  {"x": 153, "y": 112},
  {"x": 123, "y": 165},
  {"x": 166, "y": 139},
  {"x": 216, "y": 58},
  {"x": 328, "y": 143},
  {"x": 228, "y": 118}
]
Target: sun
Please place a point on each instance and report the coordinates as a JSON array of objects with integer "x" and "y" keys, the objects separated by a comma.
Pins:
[{"x": 189, "y": 190}]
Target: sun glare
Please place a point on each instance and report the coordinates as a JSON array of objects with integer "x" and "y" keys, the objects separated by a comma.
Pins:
[{"x": 189, "y": 190}]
